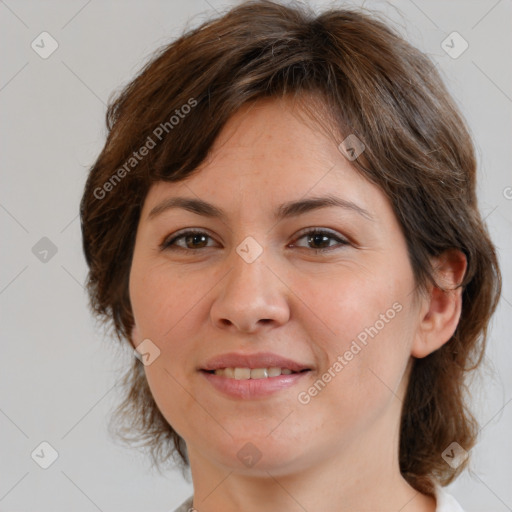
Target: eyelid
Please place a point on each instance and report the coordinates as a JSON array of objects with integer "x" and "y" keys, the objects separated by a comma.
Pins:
[
  {"x": 342, "y": 240},
  {"x": 168, "y": 243},
  {"x": 318, "y": 229}
]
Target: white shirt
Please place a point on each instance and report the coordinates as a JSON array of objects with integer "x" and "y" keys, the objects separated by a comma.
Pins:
[{"x": 445, "y": 503}]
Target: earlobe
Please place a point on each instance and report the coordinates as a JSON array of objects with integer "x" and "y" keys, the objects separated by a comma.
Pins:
[{"x": 441, "y": 310}]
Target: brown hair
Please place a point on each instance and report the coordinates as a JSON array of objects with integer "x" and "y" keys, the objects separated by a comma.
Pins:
[{"x": 369, "y": 82}]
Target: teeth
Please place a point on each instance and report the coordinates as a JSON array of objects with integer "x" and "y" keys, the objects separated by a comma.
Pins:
[
  {"x": 274, "y": 372},
  {"x": 242, "y": 373},
  {"x": 254, "y": 373},
  {"x": 259, "y": 373}
]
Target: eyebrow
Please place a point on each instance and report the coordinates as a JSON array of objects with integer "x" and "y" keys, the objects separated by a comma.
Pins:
[{"x": 286, "y": 210}]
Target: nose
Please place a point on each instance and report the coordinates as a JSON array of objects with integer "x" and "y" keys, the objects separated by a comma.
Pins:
[{"x": 250, "y": 297}]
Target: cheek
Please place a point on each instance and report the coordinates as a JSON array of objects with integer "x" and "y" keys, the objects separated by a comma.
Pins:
[
  {"x": 353, "y": 304},
  {"x": 166, "y": 307},
  {"x": 367, "y": 345},
  {"x": 166, "y": 310},
  {"x": 159, "y": 298}
]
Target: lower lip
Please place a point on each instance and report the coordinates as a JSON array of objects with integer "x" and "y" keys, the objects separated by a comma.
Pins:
[{"x": 253, "y": 388}]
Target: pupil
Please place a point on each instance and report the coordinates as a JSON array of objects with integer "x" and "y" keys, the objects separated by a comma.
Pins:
[
  {"x": 315, "y": 238},
  {"x": 194, "y": 238}
]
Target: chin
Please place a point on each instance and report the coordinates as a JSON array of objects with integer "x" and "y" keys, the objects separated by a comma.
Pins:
[{"x": 259, "y": 455}]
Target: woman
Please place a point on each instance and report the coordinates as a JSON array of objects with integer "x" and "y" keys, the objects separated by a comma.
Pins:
[{"x": 283, "y": 223}]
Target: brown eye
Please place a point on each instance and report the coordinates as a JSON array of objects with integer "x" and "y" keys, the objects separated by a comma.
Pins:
[
  {"x": 192, "y": 240},
  {"x": 322, "y": 238}
]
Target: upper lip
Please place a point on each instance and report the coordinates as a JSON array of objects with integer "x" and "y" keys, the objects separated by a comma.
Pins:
[{"x": 260, "y": 360}]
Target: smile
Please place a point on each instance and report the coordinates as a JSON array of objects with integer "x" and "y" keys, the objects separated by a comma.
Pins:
[
  {"x": 240, "y": 384},
  {"x": 252, "y": 373}
]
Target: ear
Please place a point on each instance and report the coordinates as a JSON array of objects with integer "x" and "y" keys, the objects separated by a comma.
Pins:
[{"x": 440, "y": 310}]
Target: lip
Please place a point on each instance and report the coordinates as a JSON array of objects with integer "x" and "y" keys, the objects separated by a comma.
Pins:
[
  {"x": 253, "y": 388},
  {"x": 259, "y": 360}
]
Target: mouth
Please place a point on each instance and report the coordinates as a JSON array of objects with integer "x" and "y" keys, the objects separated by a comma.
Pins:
[
  {"x": 245, "y": 373},
  {"x": 252, "y": 376}
]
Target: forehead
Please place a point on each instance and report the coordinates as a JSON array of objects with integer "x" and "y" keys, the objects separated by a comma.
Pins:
[
  {"x": 269, "y": 152},
  {"x": 270, "y": 131}
]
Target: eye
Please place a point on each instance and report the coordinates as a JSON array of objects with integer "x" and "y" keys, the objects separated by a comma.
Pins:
[
  {"x": 321, "y": 237},
  {"x": 193, "y": 239}
]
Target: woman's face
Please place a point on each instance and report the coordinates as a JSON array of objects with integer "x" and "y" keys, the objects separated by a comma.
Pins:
[{"x": 253, "y": 283}]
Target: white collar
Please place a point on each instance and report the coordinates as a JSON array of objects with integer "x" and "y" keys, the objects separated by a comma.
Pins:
[{"x": 446, "y": 502}]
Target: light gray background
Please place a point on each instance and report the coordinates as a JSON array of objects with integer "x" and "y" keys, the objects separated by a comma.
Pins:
[{"x": 58, "y": 370}]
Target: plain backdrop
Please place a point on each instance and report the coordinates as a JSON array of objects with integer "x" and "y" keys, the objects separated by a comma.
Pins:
[{"x": 58, "y": 369}]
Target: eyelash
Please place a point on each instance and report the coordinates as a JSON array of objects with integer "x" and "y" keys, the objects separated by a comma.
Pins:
[{"x": 169, "y": 244}]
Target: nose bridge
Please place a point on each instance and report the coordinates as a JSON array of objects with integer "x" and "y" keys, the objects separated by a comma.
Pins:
[{"x": 250, "y": 295}]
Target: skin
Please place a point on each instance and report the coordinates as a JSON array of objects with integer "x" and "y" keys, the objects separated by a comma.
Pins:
[{"x": 339, "y": 452}]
